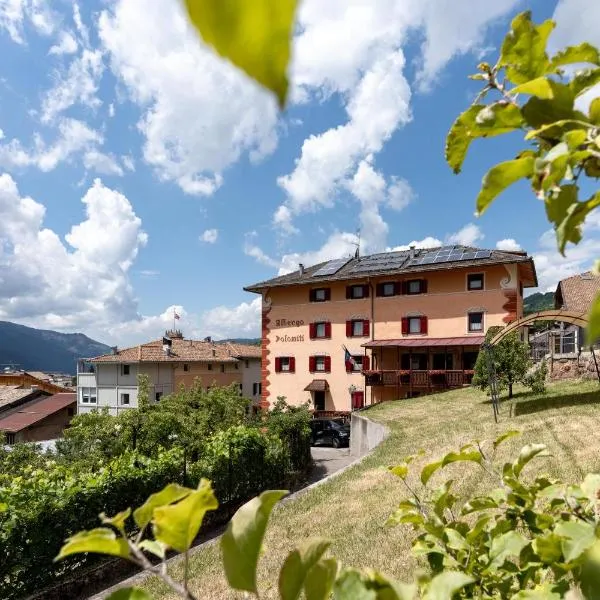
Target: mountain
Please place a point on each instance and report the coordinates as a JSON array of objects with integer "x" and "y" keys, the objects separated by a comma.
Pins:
[
  {"x": 248, "y": 341},
  {"x": 537, "y": 302},
  {"x": 44, "y": 350}
]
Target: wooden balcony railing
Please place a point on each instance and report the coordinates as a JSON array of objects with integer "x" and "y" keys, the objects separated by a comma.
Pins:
[{"x": 434, "y": 379}]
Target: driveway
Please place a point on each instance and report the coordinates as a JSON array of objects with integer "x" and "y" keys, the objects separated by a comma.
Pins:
[{"x": 328, "y": 461}]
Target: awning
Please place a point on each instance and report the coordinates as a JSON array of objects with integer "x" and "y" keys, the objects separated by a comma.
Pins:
[
  {"x": 424, "y": 342},
  {"x": 317, "y": 385}
]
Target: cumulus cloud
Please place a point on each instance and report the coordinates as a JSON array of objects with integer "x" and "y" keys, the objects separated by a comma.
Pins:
[
  {"x": 200, "y": 115},
  {"x": 105, "y": 164},
  {"x": 67, "y": 44},
  {"x": 242, "y": 320},
  {"x": 469, "y": 235},
  {"x": 15, "y": 13},
  {"x": 508, "y": 244},
  {"x": 427, "y": 242},
  {"x": 209, "y": 236}
]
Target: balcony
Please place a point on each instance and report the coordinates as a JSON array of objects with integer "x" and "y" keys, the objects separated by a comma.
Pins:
[{"x": 429, "y": 379}]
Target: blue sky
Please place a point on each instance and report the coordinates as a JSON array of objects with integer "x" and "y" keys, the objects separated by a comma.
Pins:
[{"x": 140, "y": 174}]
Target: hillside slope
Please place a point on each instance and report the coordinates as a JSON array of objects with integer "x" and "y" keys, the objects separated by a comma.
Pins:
[
  {"x": 44, "y": 350},
  {"x": 537, "y": 302}
]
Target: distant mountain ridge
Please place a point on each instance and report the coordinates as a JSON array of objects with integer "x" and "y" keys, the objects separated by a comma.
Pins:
[
  {"x": 247, "y": 341},
  {"x": 45, "y": 350},
  {"x": 537, "y": 302}
]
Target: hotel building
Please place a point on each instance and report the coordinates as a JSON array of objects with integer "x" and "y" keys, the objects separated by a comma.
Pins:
[{"x": 411, "y": 321}]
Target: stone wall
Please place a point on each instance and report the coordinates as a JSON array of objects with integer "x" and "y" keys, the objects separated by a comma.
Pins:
[{"x": 571, "y": 366}]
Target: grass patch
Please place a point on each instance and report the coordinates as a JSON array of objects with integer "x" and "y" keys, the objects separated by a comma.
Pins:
[{"x": 351, "y": 509}]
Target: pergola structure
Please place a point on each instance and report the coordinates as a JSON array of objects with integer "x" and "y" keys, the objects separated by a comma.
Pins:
[{"x": 575, "y": 318}]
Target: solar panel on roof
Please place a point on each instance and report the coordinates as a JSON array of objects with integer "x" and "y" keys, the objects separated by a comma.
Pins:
[
  {"x": 483, "y": 254},
  {"x": 380, "y": 262},
  {"x": 333, "y": 266}
]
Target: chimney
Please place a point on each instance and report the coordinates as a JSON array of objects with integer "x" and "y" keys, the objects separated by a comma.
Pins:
[
  {"x": 115, "y": 350},
  {"x": 166, "y": 345},
  {"x": 214, "y": 352},
  {"x": 411, "y": 252},
  {"x": 301, "y": 269},
  {"x": 208, "y": 338}
]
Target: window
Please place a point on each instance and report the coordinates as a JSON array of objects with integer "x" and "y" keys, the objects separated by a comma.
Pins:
[
  {"x": 209, "y": 366},
  {"x": 416, "y": 286},
  {"x": 10, "y": 438},
  {"x": 222, "y": 368},
  {"x": 476, "y": 321},
  {"x": 186, "y": 367},
  {"x": 88, "y": 395},
  {"x": 388, "y": 289},
  {"x": 125, "y": 399},
  {"x": 358, "y": 363},
  {"x": 320, "y": 295},
  {"x": 357, "y": 328},
  {"x": 356, "y": 292},
  {"x": 319, "y": 364},
  {"x": 125, "y": 369},
  {"x": 413, "y": 325},
  {"x": 158, "y": 396},
  {"x": 320, "y": 330},
  {"x": 442, "y": 361},
  {"x": 256, "y": 389},
  {"x": 475, "y": 281},
  {"x": 237, "y": 366},
  {"x": 285, "y": 364}
]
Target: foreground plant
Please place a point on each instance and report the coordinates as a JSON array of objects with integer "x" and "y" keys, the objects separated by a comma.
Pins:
[
  {"x": 540, "y": 96},
  {"x": 531, "y": 537}
]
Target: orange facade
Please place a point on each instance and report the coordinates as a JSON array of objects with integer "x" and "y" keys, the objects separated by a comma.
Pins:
[
  {"x": 304, "y": 339},
  {"x": 209, "y": 374}
]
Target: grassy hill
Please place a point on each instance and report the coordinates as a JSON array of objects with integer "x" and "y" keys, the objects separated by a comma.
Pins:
[
  {"x": 351, "y": 509},
  {"x": 45, "y": 350},
  {"x": 537, "y": 302}
]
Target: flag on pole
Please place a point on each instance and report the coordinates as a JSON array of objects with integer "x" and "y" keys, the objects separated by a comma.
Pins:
[
  {"x": 349, "y": 359},
  {"x": 176, "y": 316}
]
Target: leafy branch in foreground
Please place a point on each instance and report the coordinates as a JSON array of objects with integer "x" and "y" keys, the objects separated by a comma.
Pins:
[{"x": 539, "y": 95}]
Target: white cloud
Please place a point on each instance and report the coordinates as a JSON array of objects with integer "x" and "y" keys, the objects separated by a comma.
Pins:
[
  {"x": 67, "y": 44},
  {"x": 469, "y": 235},
  {"x": 73, "y": 137},
  {"x": 427, "y": 242},
  {"x": 111, "y": 110},
  {"x": 282, "y": 220},
  {"x": 200, "y": 115},
  {"x": 15, "y": 13},
  {"x": 508, "y": 244},
  {"x": 82, "y": 283},
  {"x": 106, "y": 164},
  {"x": 128, "y": 162},
  {"x": 400, "y": 194},
  {"x": 149, "y": 273},
  {"x": 239, "y": 321},
  {"x": 209, "y": 236},
  {"x": 251, "y": 249}
]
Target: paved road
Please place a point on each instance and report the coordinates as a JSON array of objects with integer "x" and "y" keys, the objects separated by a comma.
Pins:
[{"x": 328, "y": 461}]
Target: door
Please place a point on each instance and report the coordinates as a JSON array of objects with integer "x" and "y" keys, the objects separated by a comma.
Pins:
[{"x": 319, "y": 400}]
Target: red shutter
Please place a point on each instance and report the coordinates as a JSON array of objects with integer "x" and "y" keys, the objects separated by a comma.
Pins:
[
  {"x": 312, "y": 364},
  {"x": 365, "y": 363},
  {"x": 366, "y": 290},
  {"x": 423, "y": 324},
  {"x": 404, "y": 287},
  {"x": 423, "y": 286},
  {"x": 366, "y": 328},
  {"x": 327, "y": 293},
  {"x": 312, "y": 331},
  {"x": 292, "y": 364},
  {"x": 311, "y": 295},
  {"x": 348, "y": 328},
  {"x": 278, "y": 365},
  {"x": 348, "y": 292},
  {"x": 404, "y": 325},
  {"x": 379, "y": 289},
  {"x": 328, "y": 364},
  {"x": 328, "y": 329}
]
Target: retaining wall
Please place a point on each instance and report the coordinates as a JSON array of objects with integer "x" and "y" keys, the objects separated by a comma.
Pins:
[{"x": 365, "y": 434}]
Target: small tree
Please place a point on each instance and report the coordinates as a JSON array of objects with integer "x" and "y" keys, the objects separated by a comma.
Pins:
[{"x": 511, "y": 359}]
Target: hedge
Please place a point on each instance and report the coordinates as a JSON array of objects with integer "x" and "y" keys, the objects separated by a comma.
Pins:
[{"x": 39, "y": 510}]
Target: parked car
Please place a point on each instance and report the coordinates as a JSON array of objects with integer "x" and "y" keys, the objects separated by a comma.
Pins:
[{"x": 330, "y": 432}]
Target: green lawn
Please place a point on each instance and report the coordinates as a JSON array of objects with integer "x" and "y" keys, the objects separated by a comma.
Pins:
[{"x": 351, "y": 509}]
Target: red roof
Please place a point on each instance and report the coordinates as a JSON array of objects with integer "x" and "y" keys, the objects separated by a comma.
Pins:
[
  {"x": 36, "y": 411},
  {"x": 423, "y": 342}
]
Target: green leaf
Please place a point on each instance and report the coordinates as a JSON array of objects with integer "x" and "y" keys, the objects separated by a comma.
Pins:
[
  {"x": 558, "y": 204},
  {"x": 504, "y": 546},
  {"x": 297, "y": 565},
  {"x": 591, "y": 486},
  {"x": 505, "y": 436},
  {"x": 169, "y": 494},
  {"x": 118, "y": 521},
  {"x": 455, "y": 540},
  {"x": 386, "y": 587},
  {"x": 101, "y": 540},
  {"x": 446, "y": 584},
  {"x": 320, "y": 579},
  {"x": 400, "y": 471},
  {"x": 132, "y": 593},
  {"x": 524, "y": 49},
  {"x": 590, "y": 572},
  {"x": 177, "y": 525},
  {"x": 556, "y": 130},
  {"x": 498, "y": 178},
  {"x": 538, "y": 111},
  {"x": 583, "y": 81},
  {"x": 548, "y": 548},
  {"x": 539, "y": 87},
  {"x": 452, "y": 457},
  {"x": 594, "y": 111},
  {"x": 577, "y": 538},
  {"x": 569, "y": 229},
  {"x": 572, "y": 55},
  {"x": 477, "y": 504},
  {"x": 575, "y": 138},
  {"x": 527, "y": 454},
  {"x": 429, "y": 470},
  {"x": 350, "y": 586},
  {"x": 153, "y": 547},
  {"x": 255, "y": 36},
  {"x": 593, "y": 329},
  {"x": 242, "y": 541},
  {"x": 544, "y": 591},
  {"x": 478, "y": 528},
  {"x": 479, "y": 121}
]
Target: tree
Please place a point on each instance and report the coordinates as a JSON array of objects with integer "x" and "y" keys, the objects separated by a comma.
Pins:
[
  {"x": 511, "y": 359},
  {"x": 540, "y": 96}
]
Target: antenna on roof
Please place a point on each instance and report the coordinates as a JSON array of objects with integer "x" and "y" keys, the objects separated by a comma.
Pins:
[{"x": 357, "y": 244}]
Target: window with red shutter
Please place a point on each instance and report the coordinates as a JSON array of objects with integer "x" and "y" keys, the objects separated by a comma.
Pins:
[
  {"x": 278, "y": 365},
  {"x": 312, "y": 329},
  {"x": 312, "y": 364},
  {"x": 292, "y": 364},
  {"x": 366, "y": 328},
  {"x": 328, "y": 329},
  {"x": 423, "y": 324},
  {"x": 327, "y": 364},
  {"x": 404, "y": 325},
  {"x": 348, "y": 328}
]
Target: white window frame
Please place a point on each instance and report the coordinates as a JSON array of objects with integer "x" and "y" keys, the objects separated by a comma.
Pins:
[
  {"x": 87, "y": 395},
  {"x": 475, "y": 312},
  {"x": 123, "y": 403},
  {"x": 412, "y": 320},
  {"x": 358, "y": 328},
  {"x": 323, "y": 326},
  {"x": 470, "y": 289},
  {"x": 284, "y": 361}
]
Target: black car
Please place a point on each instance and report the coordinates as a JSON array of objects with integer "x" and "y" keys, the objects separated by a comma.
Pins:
[{"x": 329, "y": 432}]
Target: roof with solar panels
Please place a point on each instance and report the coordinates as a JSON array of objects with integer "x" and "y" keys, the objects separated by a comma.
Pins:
[{"x": 402, "y": 262}]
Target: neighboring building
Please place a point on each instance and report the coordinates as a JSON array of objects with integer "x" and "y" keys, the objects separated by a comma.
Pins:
[
  {"x": 43, "y": 418},
  {"x": 412, "y": 321},
  {"x": 27, "y": 380},
  {"x": 12, "y": 396},
  {"x": 111, "y": 380}
]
